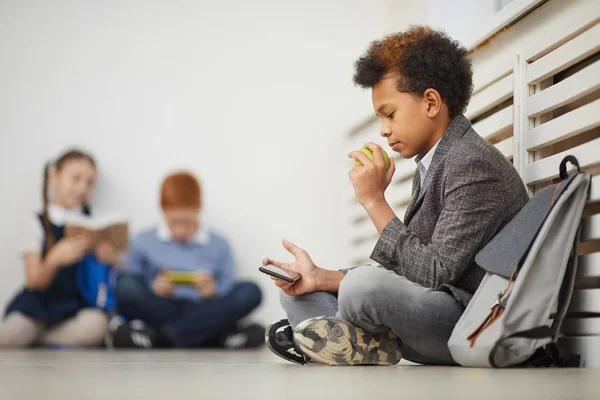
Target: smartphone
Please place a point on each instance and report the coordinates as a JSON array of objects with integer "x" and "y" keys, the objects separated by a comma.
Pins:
[
  {"x": 280, "y": 273},
  {"x": 181, "y": 277}
]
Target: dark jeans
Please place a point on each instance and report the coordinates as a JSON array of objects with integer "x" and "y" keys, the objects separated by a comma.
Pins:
[{"x": 186, "y": 324}]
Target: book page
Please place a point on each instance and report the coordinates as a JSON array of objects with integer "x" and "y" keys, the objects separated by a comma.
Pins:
[{"x": 115, "y": 230}]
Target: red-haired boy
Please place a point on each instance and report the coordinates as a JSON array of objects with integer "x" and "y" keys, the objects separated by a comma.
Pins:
[{"x": 203, "y": 312}]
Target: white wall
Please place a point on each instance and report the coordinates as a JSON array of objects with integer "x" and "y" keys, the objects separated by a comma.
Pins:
[
  {"x": 460, "y": 18},
  {"x": 252, "y": 96},
  {"x": 402, "y": 14}
]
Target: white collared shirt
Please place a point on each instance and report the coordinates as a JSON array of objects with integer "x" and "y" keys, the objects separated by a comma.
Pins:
[
  {"x": 425, "y": 163},
  {"x": 202, "y": 235},
  {"x": 33, "y": 238}
]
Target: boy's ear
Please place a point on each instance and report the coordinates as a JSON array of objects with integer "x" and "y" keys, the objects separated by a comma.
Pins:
[{"x": 433, "y": 102}]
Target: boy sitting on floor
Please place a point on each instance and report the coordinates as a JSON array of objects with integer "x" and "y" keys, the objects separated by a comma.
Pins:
[{"x": 200, "y": 313}]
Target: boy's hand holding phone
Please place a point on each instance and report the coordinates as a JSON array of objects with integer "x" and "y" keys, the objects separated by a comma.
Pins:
[
  {"x": 204, "y": 282},
  {"x": 206, "y": 285},
  {"x": 303, "y": 265},
  {"x": 162, "y": 286}
]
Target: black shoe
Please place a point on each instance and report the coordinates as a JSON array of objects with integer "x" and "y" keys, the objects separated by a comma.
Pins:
[
  {"x": 333, "y": 341},
  {"x": 137, "y": 335},
  {"x": 280, "y": 340},
  {"x": 248, "y": 338},
  {"x": 126, "y": 338}
]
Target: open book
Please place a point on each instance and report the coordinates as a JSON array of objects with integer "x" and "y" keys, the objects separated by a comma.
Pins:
[{"x": 112, "y": 228}]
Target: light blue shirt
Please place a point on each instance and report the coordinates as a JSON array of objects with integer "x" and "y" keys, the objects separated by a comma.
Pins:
[{"x": 153, "y": 250}]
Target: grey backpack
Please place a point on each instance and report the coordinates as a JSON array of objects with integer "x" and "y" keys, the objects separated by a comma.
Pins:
[{"x": 516, "y": 313}]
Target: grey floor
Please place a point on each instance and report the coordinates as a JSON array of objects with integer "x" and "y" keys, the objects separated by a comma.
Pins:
[{"x": 191, "y": 375}]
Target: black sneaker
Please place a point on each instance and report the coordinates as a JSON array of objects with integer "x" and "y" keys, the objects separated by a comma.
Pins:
[
  {"x": 137, "y": 335},
  {"x": 333, "y": 341},
  {"x": 126, "y": 338},
  {"x": 248, "y": 338},
  {"x": 280, "y": 340}
]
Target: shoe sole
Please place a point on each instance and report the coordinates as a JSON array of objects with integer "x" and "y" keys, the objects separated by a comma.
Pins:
[
  {"x": 270, "y": 346},
  {"x": 333, "y": 341}
]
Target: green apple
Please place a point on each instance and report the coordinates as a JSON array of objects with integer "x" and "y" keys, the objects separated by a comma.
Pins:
[{"x": 369, "y": 154}]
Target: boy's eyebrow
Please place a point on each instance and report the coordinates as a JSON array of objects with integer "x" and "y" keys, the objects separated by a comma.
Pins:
[{"x": 380, "y": 109}]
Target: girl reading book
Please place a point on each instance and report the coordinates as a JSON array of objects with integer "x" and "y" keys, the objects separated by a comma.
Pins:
[{"x": 50, "y": 310}]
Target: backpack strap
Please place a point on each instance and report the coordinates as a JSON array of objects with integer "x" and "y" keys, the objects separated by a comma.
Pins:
[
  {"x": 563, "y": 166},
  {"x": 566, "y": 289}
]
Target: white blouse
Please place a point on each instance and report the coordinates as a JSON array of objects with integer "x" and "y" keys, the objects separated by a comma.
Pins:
[{"x": 33, "y": 237}]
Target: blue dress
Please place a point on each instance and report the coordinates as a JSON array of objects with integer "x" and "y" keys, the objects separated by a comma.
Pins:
[{"x": 60, "y": 301}]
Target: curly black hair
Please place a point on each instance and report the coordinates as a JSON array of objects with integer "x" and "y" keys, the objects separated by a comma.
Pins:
[{"x": 422, "y": 58}]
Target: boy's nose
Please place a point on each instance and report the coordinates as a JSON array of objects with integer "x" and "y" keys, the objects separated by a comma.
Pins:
[{"x": 385, "y": 130}]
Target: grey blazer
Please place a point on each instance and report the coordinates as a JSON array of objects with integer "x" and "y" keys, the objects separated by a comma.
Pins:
[{"x": 470, "y": 192}]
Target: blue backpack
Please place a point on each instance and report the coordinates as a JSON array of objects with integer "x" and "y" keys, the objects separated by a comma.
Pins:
[{"x": 93, "y": 281}]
